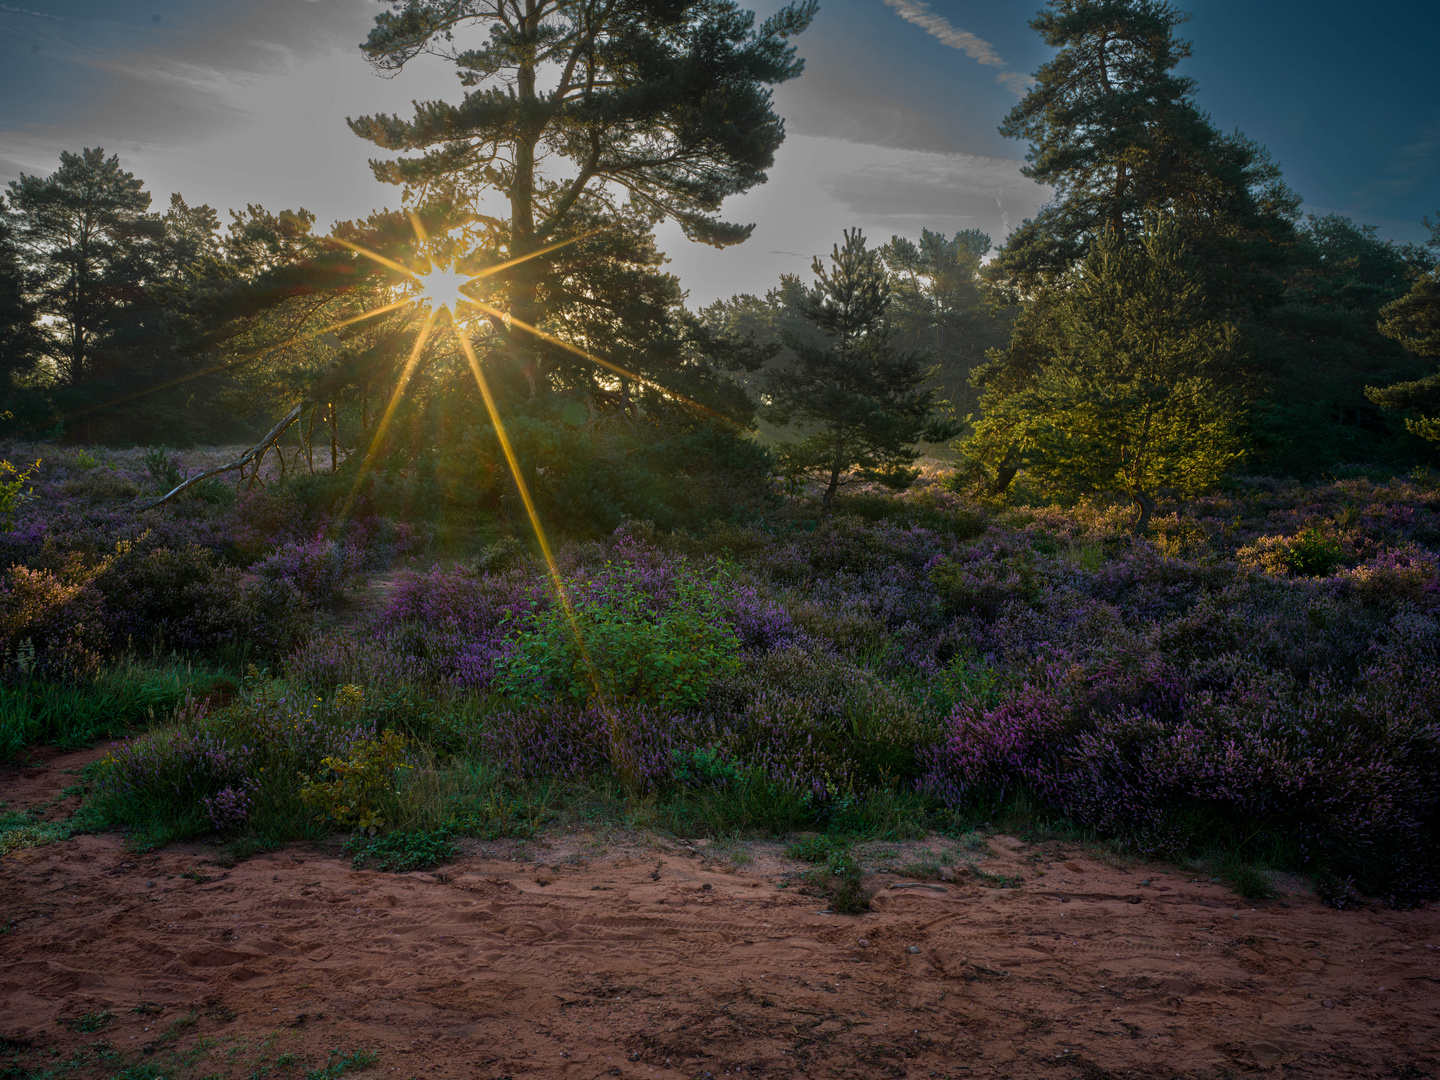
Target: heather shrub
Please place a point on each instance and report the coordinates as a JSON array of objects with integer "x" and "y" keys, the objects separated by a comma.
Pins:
[
  {"x": 50, "y": 628},
  {"x": 1310, "y": 553},
  {"x": 1329, "y": 776},
  {"x": 318, "y": 569},
  {"x": 236, "y": 768},
  {"x": 559, "y": 739},
  {"x": 159, "y": 598},
  {"x": 816, "y": 722},
  {"x": 454, "y": 626},
  {"x": 1395, "y": 578},
  {"x": 334, "y": 658},
  {"x": 100, "y": 485}
]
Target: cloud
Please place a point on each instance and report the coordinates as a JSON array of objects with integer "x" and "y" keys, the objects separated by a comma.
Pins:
[
  {"x": 1017, "y": 82},
  {"x": 97, "y": 80},
  {"x": 905, "y": 191},
  {"x": 918, "y": 13}
]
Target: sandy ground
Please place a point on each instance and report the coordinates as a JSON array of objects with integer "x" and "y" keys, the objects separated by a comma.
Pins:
[{"x": 590, "y": 955}]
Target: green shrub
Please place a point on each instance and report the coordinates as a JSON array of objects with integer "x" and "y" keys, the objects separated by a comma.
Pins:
[
  {"x": 358, "y": 784},
  {"x": 400, "y": 851},
  {"x": 1309, "y": 553},
  {"x": 615, "y": 644}
]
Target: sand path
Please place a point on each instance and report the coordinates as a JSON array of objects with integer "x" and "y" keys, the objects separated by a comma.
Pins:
[{"x": 589, "y": 956}]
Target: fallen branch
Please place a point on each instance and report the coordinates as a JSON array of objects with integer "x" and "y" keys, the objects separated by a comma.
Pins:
[{"x": 239, "y": 463}]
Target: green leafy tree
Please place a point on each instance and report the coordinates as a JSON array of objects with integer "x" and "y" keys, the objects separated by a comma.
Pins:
[
  {"x": 865, "y": 402},
  {"x": 578, "y": 114},
  {"x": 1414, "y": 321},
  {"x": 1129, "y": 405}
]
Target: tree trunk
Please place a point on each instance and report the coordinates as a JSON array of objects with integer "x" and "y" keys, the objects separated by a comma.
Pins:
[
  {"x": 1145, "y": 507},
  {"x": 1004, "y": 473},
  {"x": 836, "y": 467},
  {"x": 334, "y": 438}
]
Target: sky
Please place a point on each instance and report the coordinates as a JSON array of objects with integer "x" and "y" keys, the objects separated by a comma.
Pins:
[{"x": 891, "y": 128}]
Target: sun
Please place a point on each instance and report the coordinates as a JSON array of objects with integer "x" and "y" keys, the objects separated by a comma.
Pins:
[{"x": 441, "y": 288}]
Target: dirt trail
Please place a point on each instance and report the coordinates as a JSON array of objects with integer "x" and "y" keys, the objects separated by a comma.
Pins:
[{"x": 644, "y": 958}]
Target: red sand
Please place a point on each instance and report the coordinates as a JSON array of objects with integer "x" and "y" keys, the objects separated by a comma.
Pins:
[{"x": 640, "y": 957}]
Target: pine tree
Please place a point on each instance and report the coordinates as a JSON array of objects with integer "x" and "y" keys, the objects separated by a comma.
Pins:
[
  {"x": 621, "y": 114},
  {"x": 86, "y": 235},
  {"x": 1130, "y": 404},
  {"x": 939, "y": 308},
  {"x": 1414, "y": 321},
  {"x": 20, "y": 337},
  {"x": 1118, "y": 135},
  {"x": 866, "y": 402}
]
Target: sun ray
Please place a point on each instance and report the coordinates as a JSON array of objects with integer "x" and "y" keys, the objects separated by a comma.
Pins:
[
  {"x": 390, "y": 407},
  {"x": 597, "y": 360},
  {"x": 377, "y": 257},
  {"x": 489, "y": 270},
  {"x": 253, "y": 354},
  {"x": 562, "y": 595},
  {"x": 420, "y": 234}
]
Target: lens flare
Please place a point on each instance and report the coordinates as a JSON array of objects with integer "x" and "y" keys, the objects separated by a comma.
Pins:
[
  {"x": 390, "y": 407},
  {"x": 441, "y": 288}
]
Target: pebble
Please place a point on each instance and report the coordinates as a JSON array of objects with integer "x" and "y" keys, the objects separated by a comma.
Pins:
[
  {"x": 1327, "y": 1004},
  {"x": 706, "y": 887},
  {"x": 150, "y": 884},
  {"x": 1145, "y": 882},
  {"x": 913, "y": 949},
  {"x": 864, "y": 943}
]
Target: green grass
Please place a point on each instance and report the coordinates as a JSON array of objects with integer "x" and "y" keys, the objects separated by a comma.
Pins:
[
  {"x": 1249, "y": 881},
  {"x": 337, "y": 1065},
  {"x": 71, "y": 715},
  {"x": 89, "y": 1023}
]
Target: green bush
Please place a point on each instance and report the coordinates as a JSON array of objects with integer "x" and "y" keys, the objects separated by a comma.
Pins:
[
  {"x": 401, "y": 851},
  {"x": 358, "y": 784},
  {"x": 615, "y": 644}
]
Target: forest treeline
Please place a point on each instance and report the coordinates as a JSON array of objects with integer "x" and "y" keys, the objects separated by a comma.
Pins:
[{"x": 1170, "y": 315}]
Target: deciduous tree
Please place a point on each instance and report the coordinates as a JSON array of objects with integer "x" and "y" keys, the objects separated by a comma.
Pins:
[{"x": 1129, "y": 405}]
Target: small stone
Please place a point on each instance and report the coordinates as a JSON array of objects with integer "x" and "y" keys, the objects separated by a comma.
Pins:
[
  {"x": 1327, "y": 1004},
  {"x": 635, "y": 1056},
  {"x": 1145, "y": 882},
  {"x": 864, "y": 943},
  {"x": 706, "y": 887},
  {"x": 1234, "y": 916},
  {"x": 913, "y": 949},
  {"x": 150, "y": 884}
]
